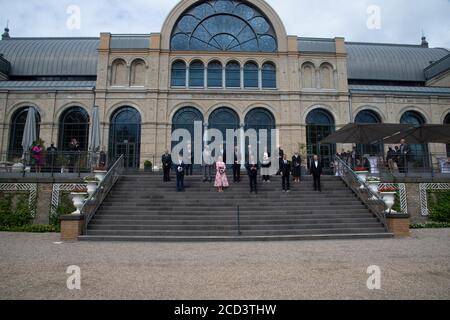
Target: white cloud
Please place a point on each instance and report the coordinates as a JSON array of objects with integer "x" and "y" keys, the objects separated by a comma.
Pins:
[{"x": 402, "y": 21}]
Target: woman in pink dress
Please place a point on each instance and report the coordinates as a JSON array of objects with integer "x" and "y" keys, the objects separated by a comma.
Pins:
[
  {"x": 221, "y": 175},
  {"x": 37, "y": 152}
]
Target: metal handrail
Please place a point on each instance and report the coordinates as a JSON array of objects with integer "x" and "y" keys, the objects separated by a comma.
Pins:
[
  {"x": 371, "y": 199},
  {"x": 93, "y": 203}
]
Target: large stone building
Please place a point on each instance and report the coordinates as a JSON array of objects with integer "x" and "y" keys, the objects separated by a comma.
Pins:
[{"x": 229, "y": 64}]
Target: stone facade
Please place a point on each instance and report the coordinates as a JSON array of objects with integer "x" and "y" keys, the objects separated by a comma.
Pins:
[{"x": 141, "y": 78}]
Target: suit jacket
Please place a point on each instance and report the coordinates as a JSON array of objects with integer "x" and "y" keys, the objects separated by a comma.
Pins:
[
  {"x": 180, "y": 169},
  {"x": 285, "y": 168},
  {"x": 296, "y": 161},
  {"x": 316, "y": 171},
  {"x": 166, "y": 160},
  {"x": 406, "y": 150},
  {"x": 252, "y": 169}
]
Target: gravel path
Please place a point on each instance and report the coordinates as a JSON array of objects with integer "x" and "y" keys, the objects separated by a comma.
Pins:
[{"x": 33, "y": 266}]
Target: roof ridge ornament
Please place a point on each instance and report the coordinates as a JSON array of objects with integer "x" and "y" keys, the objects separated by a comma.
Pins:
[{"x": 5, "y": 35}]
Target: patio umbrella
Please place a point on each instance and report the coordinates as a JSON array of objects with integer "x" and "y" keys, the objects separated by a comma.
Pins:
[
  {"x": 427, "y": 133},
  {"x": 95, "y": 137},
  {"x": 29, "y": 133},
  {"x": 373, "y": 133}
]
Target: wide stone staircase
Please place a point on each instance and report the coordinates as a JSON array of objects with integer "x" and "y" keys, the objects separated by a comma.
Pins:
[{"x": 141, "y": 207}]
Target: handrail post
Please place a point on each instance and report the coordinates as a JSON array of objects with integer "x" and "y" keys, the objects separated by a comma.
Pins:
[{"x": 239, "y": 221}]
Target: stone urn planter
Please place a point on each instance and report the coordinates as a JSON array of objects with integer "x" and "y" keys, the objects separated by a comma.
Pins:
[
  {"x": 362, "y": 175},
  {"x": 388, "y": 196},
  {"x": 373, "y": 165},
  {"x": 100, "y": 175},
  {"x": 373, "y": 184},
  {"x": 92, "y": 184},
  {"x": 78, "y": 199}
]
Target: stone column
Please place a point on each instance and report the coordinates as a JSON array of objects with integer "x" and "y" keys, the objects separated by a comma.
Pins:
[{"x": 71, "y": 227}]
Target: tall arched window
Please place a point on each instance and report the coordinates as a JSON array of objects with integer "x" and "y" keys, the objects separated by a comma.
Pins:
[
  {"x": 319, "y": 125},
  {"x": 74, "y": 124},
  {"x": 251, "y": 75},
  {"x": 119, "y": 73},
  {"x": 447, "y": 121},
  {"x": 223, "y": 119},
  {"x": 16, "y": 131},
  {"x": 138, "y": 73},
  {"x": 197, "y": 75},
  {"x": 308, "y": 76},
  {"x": 269, "y": 76},
  {"x": 230, "y": 25},
  {"x": 215, "y": 75},
  {"x": 125, "y": 136},
  {"x": 178, "y": 74},
  {"x": 368, "y": 116},
  {"x": 261, "y": 119},
  {"x": 419, "y": 152},
  {"x": 185, "y": 118},
  {"x": 233, "y": 75}
]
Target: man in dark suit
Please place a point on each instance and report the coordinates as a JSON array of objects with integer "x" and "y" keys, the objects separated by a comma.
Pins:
[
  {"x": 252, "y": 170},
  {"x": 180, "y": 170},
  {"x": 285, "y": 169},
  {"x": 280, "y": 159},
  {"x": 189, "y": 160},
  {"x": 316, "y": 172},
  {"x": 403, "y": 154},
  {"x": 167, "y": 164},
  {"x": 237, "y": 165}
]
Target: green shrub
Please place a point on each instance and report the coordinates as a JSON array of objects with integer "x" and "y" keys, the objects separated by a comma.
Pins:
[
  {"x": 430, "y": 225},
  {"x": 65, "y": 207},
  {"x": 14, "y": 215},
  {"x": 440, "y": 206},
  {"x": 36, "y": 228}
]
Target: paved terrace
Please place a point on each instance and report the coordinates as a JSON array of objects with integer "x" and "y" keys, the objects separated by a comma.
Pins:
[{"x": 33, "y": 266}]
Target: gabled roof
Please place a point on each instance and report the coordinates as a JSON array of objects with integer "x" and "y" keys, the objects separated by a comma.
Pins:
[{"x": 51, "y": 56}]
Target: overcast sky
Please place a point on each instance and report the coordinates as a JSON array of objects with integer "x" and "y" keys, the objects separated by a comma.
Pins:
[{"x": 400, "y": 21}]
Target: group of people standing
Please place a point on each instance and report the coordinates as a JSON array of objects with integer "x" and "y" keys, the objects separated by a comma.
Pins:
[{"x": 287, "y": 169}]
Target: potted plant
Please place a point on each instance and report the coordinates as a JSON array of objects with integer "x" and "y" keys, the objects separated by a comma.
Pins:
[
  {"x": 100, "y": 172},
  {"x": 148, "y": 166},
  {"x": 388, "y": 195},
  {"x": 92, "y": 184},
  {"x": 362, "y": 175},
  {"x": 79, "y": 196},
  {"x": 373, "y": 183}
]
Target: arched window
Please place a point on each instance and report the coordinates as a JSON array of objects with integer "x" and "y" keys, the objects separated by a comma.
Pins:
[
  {"x": 185, "y": 118},
  {"x": 326, "y": 76},
  {"x": 197, "y": 74},
  {"x": 251, "y": 75},
  {"x": 308, "y": 76},
  {"x": 215, "y": 75},
  {"x": 319, "y": 125},
  {"x": 419, "y": 152},
  {"x": 447, "y": 121},
  {"x": 232, "y": 25},
  {"x": 16, "y": 131},
  {"x": 125, "y": 136},
  {"x": 74, "y": 124},
  {"x": 269, "y": 76},
  {"x": 261, "y": 119},
  {"x": 178, "y": 74},
  {"x": 119, "y": 73},
  {"x": 223, "y": 119},
  {"x": 368, "y": 116},
  {"x": 233, "y": 75},
  {"x": 138, "y": 73}
]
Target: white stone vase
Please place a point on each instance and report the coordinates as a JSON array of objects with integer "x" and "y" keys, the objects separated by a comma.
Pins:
[
  {"x": 373, "y": 186},
  {"x": 92, "y": 186},
  {"x": 78, "y": 199},
  {"x": 389, "y": 200},
  {"x": 100, "y": 174},
  {"x": 362, "y": 176}
]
